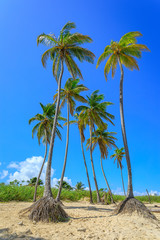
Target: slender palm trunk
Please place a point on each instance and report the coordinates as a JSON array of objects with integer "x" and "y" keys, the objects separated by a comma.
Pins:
[
  {"x": 47, "y": 188},
  {"x": 65, "y": 158},
  {"x": 130, "y": 188},
  {"x": 35, "y": 192},
  {"x": 94, "y": 175},
  {"x": 106, "y": 182},
  {"x": 89, "y": 185},
  {"x": 123, "y": 182}
]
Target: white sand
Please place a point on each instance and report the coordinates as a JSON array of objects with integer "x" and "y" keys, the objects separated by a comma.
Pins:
[{"x": 87, "y": 222}]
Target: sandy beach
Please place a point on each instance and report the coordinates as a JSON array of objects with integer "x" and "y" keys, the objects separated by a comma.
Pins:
[{"x": 86, "y": 222}]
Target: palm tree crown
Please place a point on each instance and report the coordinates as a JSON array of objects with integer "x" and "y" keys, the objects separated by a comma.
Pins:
[
  {"x": 124, "y": 52},
  {"x": 118, "y": 155},
  {"x": 70, "y": 92},
  {"x": 104, "y": 140},
  {"x": 65, "y": 48},
  {"x": 95, "y": 111},
  {"x": 45, "y": 123}
]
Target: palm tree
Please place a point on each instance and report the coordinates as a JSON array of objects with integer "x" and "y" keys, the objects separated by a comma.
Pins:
[
  {"x": 79, "y": 186},
  {"x": 80, "y": 123},
  {"x": 93, "y": 114},
  {"x": 69, "y": 94},
  {"x": 63, "y": 50},
  {"x": 123, "y": 52},
  {"x": 43, "y": 129},
  {"x": 118, "y": 155},
  {"x": 104, "y": 140},
  {"x": 65, "y": 185}
]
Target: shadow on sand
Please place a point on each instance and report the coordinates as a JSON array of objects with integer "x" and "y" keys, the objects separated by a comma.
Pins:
[
  {"x": 89, "y": 208},
  {"x": 5, "y": 235}
]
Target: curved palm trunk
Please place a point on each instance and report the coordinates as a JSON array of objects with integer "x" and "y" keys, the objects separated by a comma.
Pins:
[
  {"x": 123, "y": 182},
  {"x": 65, "y": 159},
  {"x": 130, "y": 188},
  {"x": 35, "y": 192},
  {"x": 94, "y": 175},
  {"x": 89, "y": 185},
  {"x": 107, "y": 182},
  {"x": 47, "y": 188}
]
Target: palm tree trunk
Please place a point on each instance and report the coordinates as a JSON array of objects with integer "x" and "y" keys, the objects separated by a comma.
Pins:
[
  {"x": 130, "y": 188},
  {"x": 91, "y": 200},
  {"x": 47, "y": 187},
  {"x": 107, "y": 182},
  {"x": 65, "y": 159},
  {"x": 35, "y": 192},
  {"x": 94, "y": 175},
  {"x": 123, "y": 182}
]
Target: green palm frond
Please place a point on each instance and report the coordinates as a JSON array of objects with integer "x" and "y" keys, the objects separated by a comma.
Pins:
[
  {"x": 67, "y": 28},
  {"x": 129, "y": 38},
  {"x": 72, "y": 67},
  {"x": 108, "y": 66},
  {"x": 122, "y": 52},
  {"x": 82, "y": 54},
  {"x": 77, "y": 39},
  {"x": 129, "y": 61},
  {"x": 47, "y": 39},
  {"x": 103, "y": 56}
]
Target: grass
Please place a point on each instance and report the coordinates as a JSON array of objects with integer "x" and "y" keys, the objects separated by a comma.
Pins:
[{"x": 25, "y": 193}]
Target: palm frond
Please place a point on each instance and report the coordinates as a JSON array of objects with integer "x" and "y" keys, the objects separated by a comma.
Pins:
[
  {"x": 47, "y": 54},
  {"x": 47, "y": 40},
  {"x": 67, "y": 27},
  {"x": 108, "y": 66},
  {"x": 82, "y": 54},
  {"x": 77, "y": 39},
  {"x": 129, "y": 38},
  {"x": 103, "y": 56},
  {"x": 129, "y": 61},
  {"x": 72, "y": 67}
]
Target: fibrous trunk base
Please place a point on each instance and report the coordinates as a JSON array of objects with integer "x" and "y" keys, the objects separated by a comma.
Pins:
[
  {"x": 131, "y": 206},
  {"x": 46, "y": 209}
]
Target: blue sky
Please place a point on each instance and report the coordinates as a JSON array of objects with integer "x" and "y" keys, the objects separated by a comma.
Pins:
[{"x": 24, "y": 83}]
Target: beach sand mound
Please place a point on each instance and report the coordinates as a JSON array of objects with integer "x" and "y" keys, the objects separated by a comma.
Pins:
[{"x": 133, "y": 206}]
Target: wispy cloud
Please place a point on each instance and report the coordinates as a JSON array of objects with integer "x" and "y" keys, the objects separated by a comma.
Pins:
[{"x": 3, "y": 174}]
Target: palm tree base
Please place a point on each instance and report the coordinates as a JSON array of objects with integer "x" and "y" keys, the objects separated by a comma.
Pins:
[
  {"x": 131, "y": 206},
  {"x": 46, "y": 209}
]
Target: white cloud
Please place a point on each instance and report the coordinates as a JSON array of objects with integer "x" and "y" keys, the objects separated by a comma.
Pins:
[
  {"x": 0, "y": 163},
  {"x": 3, "y": 174},
  {"x": 118, "y": 191},
  {"x": 28, "y": 169},
  {"x": 13, "y": 165},
  {"x": 154, "y": 193},
  {"x": 86, "y": 188}
]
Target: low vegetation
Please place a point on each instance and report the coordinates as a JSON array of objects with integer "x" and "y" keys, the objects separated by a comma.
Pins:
[{"x": 25, "y": 193}]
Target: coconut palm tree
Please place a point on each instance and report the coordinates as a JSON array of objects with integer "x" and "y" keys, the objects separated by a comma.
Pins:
[
  {"x": 118, "y": 155},
  {"x": 79, "y": 186},
  {"x": 104, "y": 140},
  {"x": 69, "y": 94},
  {"x": 92, "y": 114},
  {"x": 123, "y": 53},
  {"x": 43, "y": 129},
  {"x": 62, "y": 51},
  {"x": 80, "y": 124}
]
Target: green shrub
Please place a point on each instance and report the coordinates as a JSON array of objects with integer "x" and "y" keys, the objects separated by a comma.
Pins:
[{"x": 25, "y": 193}]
